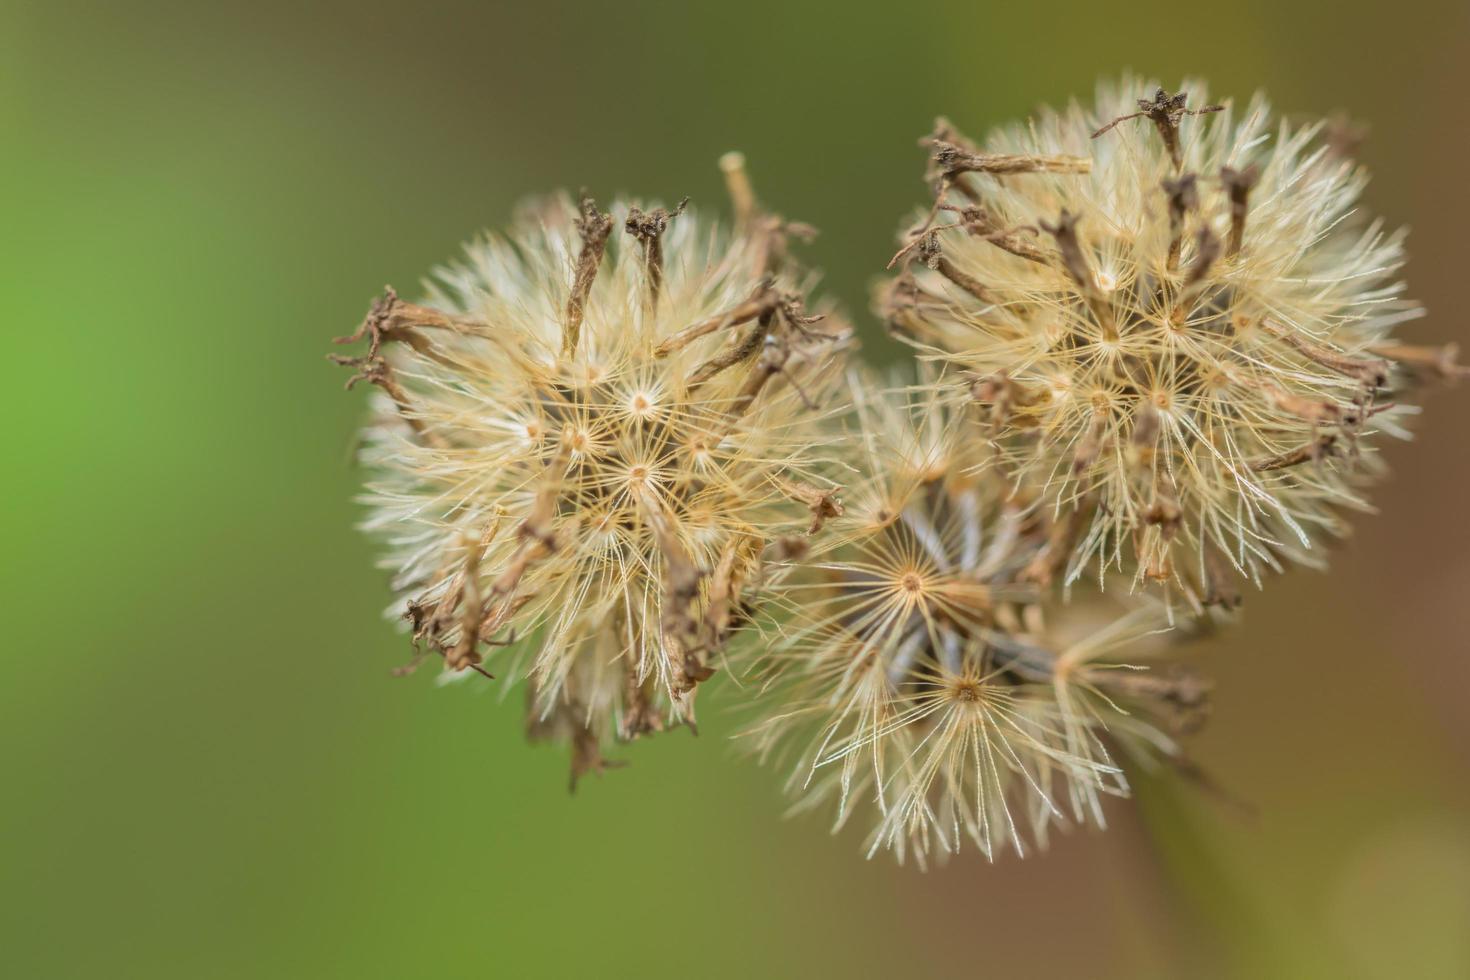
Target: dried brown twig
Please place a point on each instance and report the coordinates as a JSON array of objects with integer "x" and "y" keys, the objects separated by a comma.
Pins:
[
  {"x": 1165, "y": 111},
  {"x": 594, "y": 226}
]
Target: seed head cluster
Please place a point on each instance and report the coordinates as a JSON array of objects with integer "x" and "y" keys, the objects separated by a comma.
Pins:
[
  {"x": 1175, "y": 324},
  {"x": 616, "y": 454},
  {"x": 918, "y": 674},
  {"x": 585, "y": 441}
]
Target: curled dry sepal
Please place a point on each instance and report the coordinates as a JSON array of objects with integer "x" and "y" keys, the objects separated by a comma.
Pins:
[{"x": 614, "y": 452}]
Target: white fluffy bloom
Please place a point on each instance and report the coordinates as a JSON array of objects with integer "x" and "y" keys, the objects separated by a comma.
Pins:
[
  {"x": 1176, "y": 321},
  {"x": 587, "y": 437},
  {"x": 913, "y": 676}
]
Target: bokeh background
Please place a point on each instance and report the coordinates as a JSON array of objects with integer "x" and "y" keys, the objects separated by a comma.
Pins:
[{"x": 207, "y": 770}]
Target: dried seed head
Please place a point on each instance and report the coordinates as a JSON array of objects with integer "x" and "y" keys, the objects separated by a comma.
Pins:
[
  {"x": 1200, "y": 315},
  {"x": 914, "y": 676},
  {"x": 585, "y": 443}
]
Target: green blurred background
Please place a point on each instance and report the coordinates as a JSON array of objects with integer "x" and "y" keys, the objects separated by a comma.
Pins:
[{"x": 207, "y": 770}]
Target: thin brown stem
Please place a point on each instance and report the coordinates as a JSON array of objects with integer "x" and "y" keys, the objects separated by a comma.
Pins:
[
  {"x": 771, "y": 362},
  {"x": 594, "y": 226},
  {"x": 648, "y": 228},
  {"x": 740, "y": 555},
  {"x": 681, "y": 579},
  {"x": 1372, "y": 372},
  {"x": 1438, "y": 363},
  {"x": 763, "y": 302},
  {"x": 465, "y": 653},
  {"x": 1238, "y": 184},
  {"x": 744, "y": 349},
  {"x": 1206, "y": 251},
  {"x": 1053, "y": 556},
  {"x": 1064, "y": 230},
  {"x": 932, "y": 256},
  {"x": 952, "y": 161},
  {"x": 639, "y": 715},
  {"x": 978, "y": 222},
  {"x": 537, "y": 540},
  {"x": 380, "y": 373},
  {"x": 1183, "y": 194},
  {"x": 1319, "y": 411},
  {"x": 1322, "y": 447}
]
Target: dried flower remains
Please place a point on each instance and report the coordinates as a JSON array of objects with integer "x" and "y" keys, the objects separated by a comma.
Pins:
[
  {"x": 584, "y": 442},
  {"x": 1177, "y": 328}
]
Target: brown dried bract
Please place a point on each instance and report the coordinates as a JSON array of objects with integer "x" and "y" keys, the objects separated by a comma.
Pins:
[
  {"x": 594, "y": 226},
  {"x": 1165, "y": 111},
  {"x": 648, "y": 228}
]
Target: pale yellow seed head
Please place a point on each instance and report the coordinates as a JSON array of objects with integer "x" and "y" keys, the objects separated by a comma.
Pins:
[
  {"x": 574, "y": 477},
  {"x": 909, "y": 676},
  {"x": 1179, "y": 312}
]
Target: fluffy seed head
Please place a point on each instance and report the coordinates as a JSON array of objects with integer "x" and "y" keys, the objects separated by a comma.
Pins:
[
  {"x": 1175, "y": 325},
  {"x": 585, "y": 440},
  {"x": 915, "y": 676}
]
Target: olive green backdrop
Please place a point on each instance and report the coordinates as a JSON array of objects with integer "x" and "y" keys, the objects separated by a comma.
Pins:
[{"x": 207, "y": 770}]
